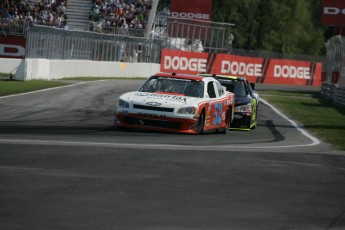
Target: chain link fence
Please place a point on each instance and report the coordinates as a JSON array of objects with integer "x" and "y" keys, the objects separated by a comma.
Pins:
[
  {"x": 192, "y": 34},
  {"x": 13, "y": 27},
  {"x": 51, "y": 43},
  {"x": 130, "y": 46}
]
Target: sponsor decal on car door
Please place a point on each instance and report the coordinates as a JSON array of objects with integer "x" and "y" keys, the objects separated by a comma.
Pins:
[
  {"x": 217, "y": 113},
  {"x": 214, "y": 114},
  {"x": 216, "y": 105}
]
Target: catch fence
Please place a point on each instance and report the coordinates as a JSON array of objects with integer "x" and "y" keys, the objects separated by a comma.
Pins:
[
  {"x": 13, "y": 27},
  {"x": 118, "y": 45},
  {"x": 52, "y": 43},
  {"x": 193, "y": 35}
]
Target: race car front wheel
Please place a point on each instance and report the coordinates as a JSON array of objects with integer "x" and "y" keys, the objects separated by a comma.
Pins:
[
  {"x": 201, "y": 123},
  {"x": 227, "y": 122}
]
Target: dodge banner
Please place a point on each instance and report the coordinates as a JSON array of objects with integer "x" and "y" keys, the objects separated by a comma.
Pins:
[
  {"x": 259, "y": 70},
  {"x": 190, "y": 18},
  {"x": 191, "y": 9},
  {"x": 12, "y": 47},
  {"x": 333, "y": 12}
]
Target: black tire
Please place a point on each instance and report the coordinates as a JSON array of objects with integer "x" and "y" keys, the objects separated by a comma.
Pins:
[
  {"x": 228, "y": 123},
  {"x": 123, "y": 129},
  {"x": 201, "y": 123},
  {"x": 253, "y": 127}
]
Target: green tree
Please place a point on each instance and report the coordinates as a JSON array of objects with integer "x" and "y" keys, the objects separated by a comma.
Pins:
[{"x": 285, "y": 26}]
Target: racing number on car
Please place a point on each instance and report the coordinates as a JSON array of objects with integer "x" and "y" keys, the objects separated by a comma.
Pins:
[{"x": 218, "y": 110}]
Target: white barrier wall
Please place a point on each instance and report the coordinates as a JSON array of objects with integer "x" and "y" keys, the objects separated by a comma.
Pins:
[
  {"x": 9, "y": 65},
  {"x": 31, "y": 69}
]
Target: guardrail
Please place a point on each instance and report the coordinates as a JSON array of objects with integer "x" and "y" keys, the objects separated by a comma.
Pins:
[
  {"x": 334, "y": 93},
  {"x": 51, "y": 43},
  {"x": 327, "y": 90},
  {"x": 333, "y": 67}
]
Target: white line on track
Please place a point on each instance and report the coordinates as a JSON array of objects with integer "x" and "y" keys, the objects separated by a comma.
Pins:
[
  {"x": 313, "y": 139},
  {"x": 141, "y": 145}
]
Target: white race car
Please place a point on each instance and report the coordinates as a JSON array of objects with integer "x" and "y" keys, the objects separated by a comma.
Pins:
[{"x": 177, "y": 103}]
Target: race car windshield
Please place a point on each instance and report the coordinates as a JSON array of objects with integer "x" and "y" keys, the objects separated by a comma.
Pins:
[
  {"x": 237, "y": 88},
  {"x": 186, "y": 87}
]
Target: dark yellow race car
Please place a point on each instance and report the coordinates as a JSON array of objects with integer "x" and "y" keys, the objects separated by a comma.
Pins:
[{"x": 246, "y": 100}]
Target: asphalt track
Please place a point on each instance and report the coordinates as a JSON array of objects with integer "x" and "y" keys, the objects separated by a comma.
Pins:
[{"x": 64, "y": 166}]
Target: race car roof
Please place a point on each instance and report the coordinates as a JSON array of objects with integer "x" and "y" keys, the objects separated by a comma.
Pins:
[
  {"x": 222, "y": 76},
  {"x": 182, "y": 76}
]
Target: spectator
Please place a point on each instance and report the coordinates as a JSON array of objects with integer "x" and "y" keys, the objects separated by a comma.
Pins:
[
  {"x": 45, "y": 12},
  {"x": 120, "y": 14},
  {"x": 29, "y": 17}
]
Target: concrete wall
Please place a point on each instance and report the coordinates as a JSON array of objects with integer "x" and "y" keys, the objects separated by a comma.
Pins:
[
  {"x": 30, "y": 69},
  {"x": 9, "y": 65}
]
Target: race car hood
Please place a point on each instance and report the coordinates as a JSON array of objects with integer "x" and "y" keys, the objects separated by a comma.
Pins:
[
  {"x": 242, "y": 100},
  {"x": 160, "y": 99}
]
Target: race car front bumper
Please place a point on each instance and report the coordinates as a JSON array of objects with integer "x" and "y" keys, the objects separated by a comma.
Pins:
[
  {"x": 166, "y": 124},
  {"x": 241, "y": 121}
]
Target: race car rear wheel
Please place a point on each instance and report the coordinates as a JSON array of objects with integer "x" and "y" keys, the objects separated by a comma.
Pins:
[
  {"x": 201, "y": 122},
  {"x": 253, "y": 117},
  {"x": 125, "y": 129},
  {"x": 254, "y": 126}
]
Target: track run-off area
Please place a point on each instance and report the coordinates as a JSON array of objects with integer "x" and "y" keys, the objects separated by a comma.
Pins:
[{"x": 63, "y": 165}]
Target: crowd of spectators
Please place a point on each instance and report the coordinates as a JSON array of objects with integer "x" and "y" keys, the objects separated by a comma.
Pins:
[
  {"x": 43, "y": 12},
  {"x": 106, "y": 15}
]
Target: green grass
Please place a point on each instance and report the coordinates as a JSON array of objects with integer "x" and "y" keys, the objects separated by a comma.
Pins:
[
  {"x": 15, "y": 87},
  {"x": 314, "y": 112}
]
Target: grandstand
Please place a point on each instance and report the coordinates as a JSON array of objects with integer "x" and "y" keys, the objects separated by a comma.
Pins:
[
  {"x": 135, "y": 17},
  {"x": 80, "y": 39},
  {"x": 159, "y": 31},
  {"x": 121, "y": 19},
  {"x": 17, "y": 16}
]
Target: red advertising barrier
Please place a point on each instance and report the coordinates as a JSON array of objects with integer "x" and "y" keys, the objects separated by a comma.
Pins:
[
  {"x": 335, "y": 77},
  {"x": 191, "y": 9},
  {"x": 190, "y": 18},
  {"x": 12, "y": 47},
  {"x": 294, "y": 72},
  {"x": 238, "y": 66},
  {"x": 259, "y": 70},
  {"x": 183, "y": 62},
  {"x": 333, "y": 12}
]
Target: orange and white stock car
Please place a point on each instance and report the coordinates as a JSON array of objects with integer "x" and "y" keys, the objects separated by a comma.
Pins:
[{"x": 177, "y": 103}]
